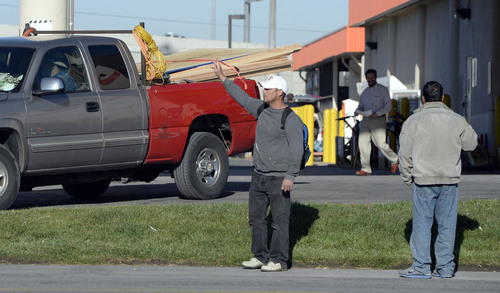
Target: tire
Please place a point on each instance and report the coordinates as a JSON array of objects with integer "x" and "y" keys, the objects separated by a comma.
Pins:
[
  {"x": 203, "y": 171},
  {"x": 87, "y": 189},
  {"x": 10, "y": 178}
]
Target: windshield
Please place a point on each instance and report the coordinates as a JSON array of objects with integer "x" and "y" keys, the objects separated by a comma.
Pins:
[{"x": 13, "y": 65}]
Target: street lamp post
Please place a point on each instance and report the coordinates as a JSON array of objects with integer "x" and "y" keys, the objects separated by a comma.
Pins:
[
  {"x": 230, "y": 20},
  {"x": 246, "y": 17},
  {"x": 247, "y": 20},
  {"x": 213, "y": 19},
  {"x": 272, "y": 24}
]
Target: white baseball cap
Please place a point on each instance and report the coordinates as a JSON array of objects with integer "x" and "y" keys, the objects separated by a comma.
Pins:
[{"x": 275, "y": 82}]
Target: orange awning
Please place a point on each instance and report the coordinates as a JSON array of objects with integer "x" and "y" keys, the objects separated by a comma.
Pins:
[{"x": 345, "y": 40}]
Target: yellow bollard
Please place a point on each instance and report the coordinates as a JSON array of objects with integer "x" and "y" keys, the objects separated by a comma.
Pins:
[
  {"x": 392, "y": 116},
  {"x": 327, "y": 130},
  {"x": 333, "y": 136},
  {"x": 447, "y": 100}
]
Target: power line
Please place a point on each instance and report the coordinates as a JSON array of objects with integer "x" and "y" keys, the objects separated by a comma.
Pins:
[
  {"x": 180, "y": 21},
  {"x": 190, "y": 22}
]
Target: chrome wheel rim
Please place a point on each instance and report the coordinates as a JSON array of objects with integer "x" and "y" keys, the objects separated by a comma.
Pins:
[
  {"x": 208, "y": 166},
  {"x": 4, "y": 179}
]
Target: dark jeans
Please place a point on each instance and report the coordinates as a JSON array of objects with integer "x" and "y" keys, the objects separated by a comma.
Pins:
[{"x": 265, "y": 191}]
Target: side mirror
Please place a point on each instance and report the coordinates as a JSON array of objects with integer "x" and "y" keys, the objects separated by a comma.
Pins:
[{"x": 50, "y": 85}]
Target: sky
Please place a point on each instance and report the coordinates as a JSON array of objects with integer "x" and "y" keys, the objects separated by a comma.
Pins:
[{"x": 297, "y": 21}]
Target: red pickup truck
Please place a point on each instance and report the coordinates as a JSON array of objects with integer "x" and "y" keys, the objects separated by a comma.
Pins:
[{"x": 73, "y": 111}]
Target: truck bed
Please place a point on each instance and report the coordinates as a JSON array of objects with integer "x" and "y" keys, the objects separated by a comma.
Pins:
[{"x": 175, "y": 109}]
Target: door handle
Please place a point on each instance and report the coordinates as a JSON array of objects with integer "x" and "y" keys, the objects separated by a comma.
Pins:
[{"x": 92, "y": 106}]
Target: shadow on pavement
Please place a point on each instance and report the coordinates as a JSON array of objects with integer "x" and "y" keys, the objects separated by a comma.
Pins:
[{"x": 114, "y": 194}]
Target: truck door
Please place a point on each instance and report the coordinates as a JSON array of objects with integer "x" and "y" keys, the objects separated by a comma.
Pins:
[
  {"x": 124, "y": 107},
  {"x": 64, "y": 129}
]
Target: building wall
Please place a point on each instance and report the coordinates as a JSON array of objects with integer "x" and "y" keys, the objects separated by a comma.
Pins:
[
  {"x": 475, "y": 41},
  {"x": 47, "y": 14},
  {"x": 406, "y": 49},
  {"x": 425, "y": 41}
]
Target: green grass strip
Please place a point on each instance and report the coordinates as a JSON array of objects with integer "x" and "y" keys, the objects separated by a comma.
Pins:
[{"x": 321, "y": 235}]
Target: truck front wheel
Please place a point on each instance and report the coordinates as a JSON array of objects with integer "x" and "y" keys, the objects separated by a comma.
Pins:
[
  {"x": 203, "y": 171},
  {"x": 87, "y": 189},
  {"x": 10, "y": 178}
]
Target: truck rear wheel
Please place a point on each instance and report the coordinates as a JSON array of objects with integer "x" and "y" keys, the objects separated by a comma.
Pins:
[
  {"x": 87, "y": 189},
  {"x": 10, "y": 178},
  {"x": 204, "y": 168}
]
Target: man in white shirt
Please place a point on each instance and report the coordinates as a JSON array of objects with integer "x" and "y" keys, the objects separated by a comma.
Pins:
[{"x": 374, "y": 104}]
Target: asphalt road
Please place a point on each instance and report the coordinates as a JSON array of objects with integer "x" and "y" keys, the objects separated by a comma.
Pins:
[
  {"x": 29, "y": 278},
  {"x": 320, "y": 183}
]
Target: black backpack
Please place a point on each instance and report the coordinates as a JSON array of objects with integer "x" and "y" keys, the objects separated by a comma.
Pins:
[{"x": 306, "y": 152}]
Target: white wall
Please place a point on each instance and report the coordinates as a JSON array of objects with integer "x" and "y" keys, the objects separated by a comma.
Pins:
[
  {"x": 47, "y": 14},
  {"x": 428, "y": 38}
]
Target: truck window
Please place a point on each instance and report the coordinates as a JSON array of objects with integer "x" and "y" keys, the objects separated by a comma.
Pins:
[
  {"x": 14, "y": 63},
  {"x": 67, "y": 64},
  {"x": 110, "y": 67}
]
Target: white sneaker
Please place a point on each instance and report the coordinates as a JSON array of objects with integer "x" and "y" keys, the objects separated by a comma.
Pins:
[
  {"x": 272, "y": 267},
  {"x": 253, "y": 263}
]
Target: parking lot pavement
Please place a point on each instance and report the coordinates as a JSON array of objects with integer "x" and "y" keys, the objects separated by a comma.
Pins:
[
  {"x": 328, "y": 183},
  {"x": 321, "y": 183}
]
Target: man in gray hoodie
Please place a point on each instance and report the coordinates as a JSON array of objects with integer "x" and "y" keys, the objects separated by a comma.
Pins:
[
  {"x": 277, "y": 155},
  {"x": 431, "y": 142}
]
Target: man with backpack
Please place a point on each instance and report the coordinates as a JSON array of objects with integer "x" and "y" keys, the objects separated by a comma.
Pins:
[{"x": 277, "y": 156}]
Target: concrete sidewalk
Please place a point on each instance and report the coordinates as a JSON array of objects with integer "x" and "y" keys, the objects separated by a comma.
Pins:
[{"x": 42, "y": 278}]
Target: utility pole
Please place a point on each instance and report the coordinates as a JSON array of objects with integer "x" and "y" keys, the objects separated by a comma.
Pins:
[
  {"x": 230, "y": 26},
  {"x": 246, "y": 38},
  {"x": 272, "y": 24},
  {"x": 213, "y": 19},
  {"x": 247, "y": 20}
]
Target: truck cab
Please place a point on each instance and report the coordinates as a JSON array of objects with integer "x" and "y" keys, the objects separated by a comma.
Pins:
[{"x": 73, "y": 111}]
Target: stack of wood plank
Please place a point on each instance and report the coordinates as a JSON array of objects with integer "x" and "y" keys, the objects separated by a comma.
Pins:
[{"x": 194, "y": 65}]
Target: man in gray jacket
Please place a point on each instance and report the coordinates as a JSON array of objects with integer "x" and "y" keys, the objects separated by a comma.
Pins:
[
  {"x": 277, "y": 155},
  {"x": 431, "y": 142}
]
